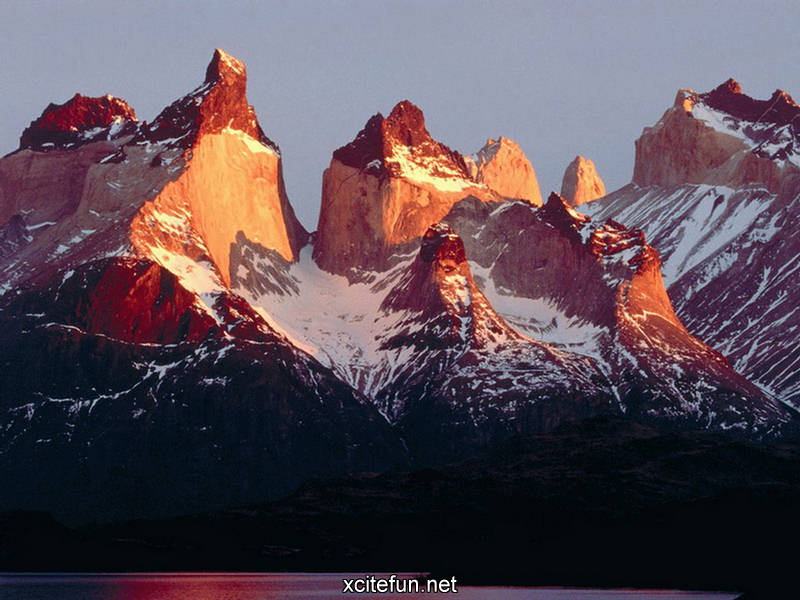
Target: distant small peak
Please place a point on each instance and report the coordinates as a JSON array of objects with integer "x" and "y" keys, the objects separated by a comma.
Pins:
[
  {"x": 224, "y": 67},
  {"x": 730, "y": 85},
  {"x": 581, "y": 183},
  {"x": 782, "y": 96},
  {"x": 77, "y": 121},
  {"x": 493, "y": 146},
  {"x": 502, "y": 166}
]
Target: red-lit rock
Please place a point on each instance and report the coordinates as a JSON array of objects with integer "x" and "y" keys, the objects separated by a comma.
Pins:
[
  {"x": 219, "y": 104},
  {"x": 134, "y": 301},
  {"x": 78, "y": 121}
]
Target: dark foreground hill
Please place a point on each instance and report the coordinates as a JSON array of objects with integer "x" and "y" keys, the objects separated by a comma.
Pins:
[{"x": 601, "y": 503}]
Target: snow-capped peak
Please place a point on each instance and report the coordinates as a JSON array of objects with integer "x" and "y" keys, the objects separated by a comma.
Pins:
[{"x": 770, "y": 127}]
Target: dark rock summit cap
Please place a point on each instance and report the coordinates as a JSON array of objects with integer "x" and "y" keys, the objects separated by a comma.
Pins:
[{"x": 69, "y": 124}]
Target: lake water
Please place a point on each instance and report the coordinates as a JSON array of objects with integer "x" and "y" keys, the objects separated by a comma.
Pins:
[{"x": 265, "y": 586}]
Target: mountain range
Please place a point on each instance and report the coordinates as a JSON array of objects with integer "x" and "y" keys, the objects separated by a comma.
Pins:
[{"x": 173, "y": 340}]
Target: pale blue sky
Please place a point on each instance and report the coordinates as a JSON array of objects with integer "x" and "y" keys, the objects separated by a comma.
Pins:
[{"x": 561, "y": 78}]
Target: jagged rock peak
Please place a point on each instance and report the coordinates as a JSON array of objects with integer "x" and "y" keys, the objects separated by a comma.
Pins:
[
  {"x": 80, "y": 120},
  {"x": 366, "y": 149},
  {"x": 610, "y": 241},
  {"x": 782, "y": 96},
  {"x": 581, "y": 183},
  {"x": 383, "y": 190},
  {"x": 388, "y": 144},
  {"x": 779, "y": 109},
  {"x": 613, "y": 238},
  {"x": 503, "y": 167},
  {"x": 439, "y": 267},
  {"x": 730, "y": 86},
  {"x": 721, "y": 137},
  {"x": 224, "y": 67},
  {"x": 220, "y": 103},
  {"x": 440, "y": 286},
  {"x": 406, "y": 125},
  {"x": 559, "y": 214},
  {"x": 442, "y": 244},
  {"x": 728, "y": 97},
  {"x": 557, "y": 208}
]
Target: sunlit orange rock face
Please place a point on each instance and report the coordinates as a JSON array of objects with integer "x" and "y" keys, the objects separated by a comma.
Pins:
[
  {"x": 385, "y": 189},
  {"x": 231, "y": 184},
  {"x": 581, "y": 183},
  {"x": 642, "y": 305},
  {"x": 505, "y": 169},
  {"x": 723, "y": 137},
  {"x": 661, "y": 151},
  {"x": 176, "y": 191},
  {"x": 233, "y": 180}
]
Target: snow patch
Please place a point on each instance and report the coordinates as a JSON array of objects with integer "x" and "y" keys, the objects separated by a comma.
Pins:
[{"x": 428, "y": 170}]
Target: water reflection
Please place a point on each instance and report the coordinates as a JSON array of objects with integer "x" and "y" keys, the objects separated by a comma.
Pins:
[{"x": 244, "y": 586}]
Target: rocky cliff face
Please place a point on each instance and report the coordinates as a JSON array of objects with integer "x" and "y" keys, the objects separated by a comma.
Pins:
[
  {"x": 175, "y": 191},
  {"x": 385, "y": 188},
  {"x": 612, "y": 306},
  {"x": 469, "y": 379},
  {"x": 169, "y": 341},
  {"x": 234, "y": 181},
  {"x": 716, "y": 182},
  {"x": 219, "y": 104},
  {"x": 505, "y": 169},
  {"x": 132, "y": 374},
  {"x": 734, "y": 140},
  {"x": 581, "y": 183}
]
